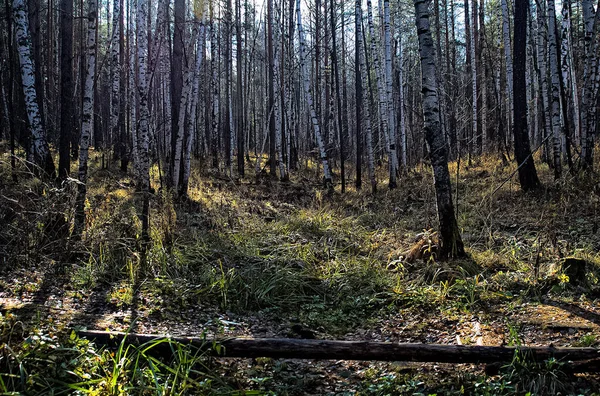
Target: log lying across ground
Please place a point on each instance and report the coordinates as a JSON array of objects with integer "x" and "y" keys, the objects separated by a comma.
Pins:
[{"x": 588, "y": 358}]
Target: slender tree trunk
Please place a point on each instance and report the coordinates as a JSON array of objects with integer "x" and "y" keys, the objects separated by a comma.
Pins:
[
  {"x": 176, "y": 83},
  {"x": 272, "y": 120},
  {"x": 336, "y": 72},
  {"x": 451, "y": 244},
  {"x": 39, "y": 144},
  {"x": 240, "y": 124},
  {"x": 66, "y": 88},
  {"x": 115, "y": 97},
  {"x": 390, "y": 95},
  {"x": 313, "y": 115},
  {"x": 359, "y": 92},
  {"x": 87, "y": 119},
  {"x": 555, "y": 90},
  {"x": 403, "y": 142},
  {"x": 144, "y": 133},
  {"x": 382, "y": 91},
  {"x": 587, "y": 138},
  {"x": 509, "y": 61},
  {"x": 367, "y": 114},
  {"x": 527, "y": 173}
]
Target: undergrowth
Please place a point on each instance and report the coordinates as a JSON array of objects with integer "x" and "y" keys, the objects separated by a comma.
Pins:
[{"x": 286, "y": 250}]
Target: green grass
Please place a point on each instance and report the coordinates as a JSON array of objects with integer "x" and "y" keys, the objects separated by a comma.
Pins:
[{"x": 287, "y": 253}]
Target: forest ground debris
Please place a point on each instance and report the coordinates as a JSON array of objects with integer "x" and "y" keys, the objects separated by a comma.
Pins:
[{"x": 246, "y": 259}]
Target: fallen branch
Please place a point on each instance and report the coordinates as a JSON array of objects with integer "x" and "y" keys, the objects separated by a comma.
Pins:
[{"x": 353, "y": 350}]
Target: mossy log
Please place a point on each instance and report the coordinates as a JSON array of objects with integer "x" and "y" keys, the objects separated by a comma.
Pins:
[{"x": 352, "y": 350}]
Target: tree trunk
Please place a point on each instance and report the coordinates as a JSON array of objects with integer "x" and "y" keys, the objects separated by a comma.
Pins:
[
  {"x": 555, "y": 90},
  {"x": 367, "y": 112},
  {"x": 143, "y": 156},
  {"x": 509, "y": 62},
  {"x": 288, "y": 348},
  {"x": 527, "y": 173},
  {"x": 66, "y": 88},
  {"x": 87, "y": 119},
  {"x": 313, "y": 115},
  {"x": 390, "y": 94},
  {"x": 39, "y": 144},
  {"x": 272, "y": 98},
  {"x": 359, "y": 92},
  {"x": 176, "y": 82},
  {"x": 451, "y": 244},
  {"x": 336, "y": 72}
]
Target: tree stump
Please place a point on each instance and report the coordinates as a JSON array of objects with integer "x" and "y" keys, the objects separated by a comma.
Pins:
[{"x": 575, "y": 269}]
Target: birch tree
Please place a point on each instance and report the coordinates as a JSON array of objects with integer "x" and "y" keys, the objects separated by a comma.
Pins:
[
  {"x": 451, "y": 244},
  {"x": 508, "y": 60},
  {"x": 87, "y": 119},
  {"x": 313, "y": 115},
  {"x": 389, "y": 92},
  {"x": 555, "y": 88},
  {"x": 39, "y": 144},
  {"x": 115, "y": 95},
  {"x": 66, "y": 88},
  {"x": 384, "y": 109},
  {"x": 144, "y": 118}
]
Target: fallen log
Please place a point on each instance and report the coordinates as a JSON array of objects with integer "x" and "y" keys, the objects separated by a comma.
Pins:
[{"x": 351, "y": 350}]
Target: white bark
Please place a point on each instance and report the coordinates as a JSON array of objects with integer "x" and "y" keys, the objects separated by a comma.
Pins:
[
  {"x": 39, "y": 144},
  {"x": 401, "y": 101},
  {"x": 587, "y": 138},
  {"x": 215, "y": 86},
  {"x": 568, "y": 74},
  {"x": 115, "y": 97},
  {"x": 313, "y": 115},
  {"x": 133, "y": 97},
  {"x": 87, "y": 118},
  {"x": 390, "y": 95},
  {"x": 277, "y": 110},
  {"x": 366, "y": 108},
  {"x": 542, "y": 65},
  {"x": 194, "y": 105},
  {"x": 509, "y": 63},
  {"x": 185, "y": 96},
  {"x": 555, "y": 87},
  {"x": 474, "y": 71},
  {"x": 382, "y": 91},
  {"x": 142, "y": 71}
]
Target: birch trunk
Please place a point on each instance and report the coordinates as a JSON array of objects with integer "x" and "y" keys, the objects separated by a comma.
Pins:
[
  {"x": 509, "y": 62},
  {"x": 587, "y": 106},
  {"x": 183, "y": 106},
  {"x": 144, "y": 133},
  {"x": 473, "y": 18},
  {"x": 390, "y": 95},
  {"x": 543, "y": 66},
  {"x": 115, "y": 97},
  {"x": 367, "y": 110},
  {"x": 66, "y": 87},
  {"x": 401, "y": 102},
  {"x": 382, "y": 91},
  {"x": 568, "y": 76},
  {"x": 313, "y": 115},
  {"x": 555, "y": 88},
  {"x": 451, "y": 244},
  {"x": 359, "y": 92},
  {"x": 193, "y": 108},
  {"x": 39, "y": 144},
  {"x": 87, "y": 119}
]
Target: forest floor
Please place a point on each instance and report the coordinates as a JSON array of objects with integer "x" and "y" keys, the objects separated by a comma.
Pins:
[{"x": 254, "y": 257}]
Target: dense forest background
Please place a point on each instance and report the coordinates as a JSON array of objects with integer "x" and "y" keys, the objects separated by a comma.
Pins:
[{"x": 401, "y": 171}]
